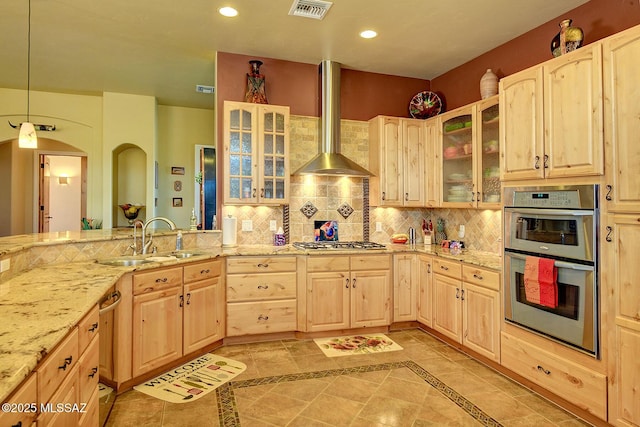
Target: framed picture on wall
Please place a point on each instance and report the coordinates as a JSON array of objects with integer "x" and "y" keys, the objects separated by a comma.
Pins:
[
  {"x": 177, "y": 202},
  {"x": 177, "y": 170},
  {"x": 177, "y": 185}
]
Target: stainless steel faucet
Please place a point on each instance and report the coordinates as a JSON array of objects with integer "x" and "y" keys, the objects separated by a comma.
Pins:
[
  {"x": 145, "y": 243},
  {"x": 134, "y": 246}
]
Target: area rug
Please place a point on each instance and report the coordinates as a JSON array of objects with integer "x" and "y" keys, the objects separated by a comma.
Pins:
[
  {"x": 356, "y": 344},
  {"x": 192, "y": 380}
]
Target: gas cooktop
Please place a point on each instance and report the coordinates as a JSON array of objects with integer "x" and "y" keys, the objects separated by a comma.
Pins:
[{"x": 338, "y": 245}]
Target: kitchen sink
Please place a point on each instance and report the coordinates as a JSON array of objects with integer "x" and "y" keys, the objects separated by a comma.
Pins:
[
  {"x": 185, "y": 254},
  {"x": 124, "y": 262}
]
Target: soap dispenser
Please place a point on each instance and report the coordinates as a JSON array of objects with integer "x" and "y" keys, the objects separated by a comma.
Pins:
[{"x": 193, "y": 222}]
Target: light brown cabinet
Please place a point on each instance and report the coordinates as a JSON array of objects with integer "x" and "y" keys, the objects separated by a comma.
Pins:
[
  {"x": 466, "y": 306},
  {"x": 348, "y": 292},
  {"x": 256, "y": 154},
  {"x": 552, "y": 118},
  {"x": 405, "y": 287},
  {"x": 397, "y": 158},
  {"x": 261, "y": 295},
  {"x": 425, "y": 290},
  {"x": 470, "y": 162}
]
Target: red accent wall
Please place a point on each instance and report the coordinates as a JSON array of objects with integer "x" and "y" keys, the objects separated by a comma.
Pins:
[{"x": 597, "y": 18}]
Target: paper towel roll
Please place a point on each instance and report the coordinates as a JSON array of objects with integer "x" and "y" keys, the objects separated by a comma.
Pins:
[{"x": 229, "y": 231}]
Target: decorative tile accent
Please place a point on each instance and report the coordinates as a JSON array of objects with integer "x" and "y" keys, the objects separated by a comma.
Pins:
[
  {"x": 308, "y": 209},
  {"x": 285, "y": 222},
  {"x": 228, "y": 415},
  {"x": 345, "y": 210},
  {"x": 365, "y": 209}
]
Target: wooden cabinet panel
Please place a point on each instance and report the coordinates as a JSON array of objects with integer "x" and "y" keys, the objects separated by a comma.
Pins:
[
  {"x": 91, "y": 417},
  {"x": 202, "y": 270},
  {"x": 481, "y": 277},
  {"x": 327, "y": 263},
  {"x": 328, "y": 305},
  {"x": 57, "y": 366},
  {"x": 447, "y": 267},
  {"x": 251, "y": 264},
  {"x": 88, "y": 372},
  {"x": 370, "y": 262},
  {"x": 246, "y": 318},
  {"x": 370, "y": 298},
  {"x": 88, "y": 329},
  {"x": 242, "y": 287},
  {"x": 481, "y": 320},
  {"x": 425, "y": 290},
  {"x": 621, "y": 57},
  {"x": 203, "y": 314},
  {"x": 157, "y": 329},
  {"x": 432, "y": 179},
  {"x": 413, "y": 169},
  {"x": 26, "y": 394},
  {"x": 581, "y": 386},
  {"x": 447, "y": 309},
  {"x": 405, "y": 288},
  {"x": 626, "y": 408},
  {"x": 157, "y": 279},
  {"x": 67, "y": 393}
]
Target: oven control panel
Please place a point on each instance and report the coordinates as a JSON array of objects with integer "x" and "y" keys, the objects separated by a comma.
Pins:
[{"x": 547, "y": 199}]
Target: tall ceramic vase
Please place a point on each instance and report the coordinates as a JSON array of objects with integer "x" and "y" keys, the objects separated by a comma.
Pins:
[
  {"x": 488, "y": 84},
  {"x": 255, "y": 84},
  {"x": 568, "y": 39}
]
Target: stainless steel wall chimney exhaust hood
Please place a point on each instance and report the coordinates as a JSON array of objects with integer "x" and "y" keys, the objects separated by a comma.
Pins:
[{"x": 330, "y": 161}]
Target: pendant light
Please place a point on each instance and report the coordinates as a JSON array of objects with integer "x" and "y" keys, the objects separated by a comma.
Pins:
[{"x": 27, "y": 137}]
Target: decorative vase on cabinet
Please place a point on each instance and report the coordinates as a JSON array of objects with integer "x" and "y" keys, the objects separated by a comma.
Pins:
[
  {"x": 568, "y": 39},
  {"x": 488, "y": 84}
]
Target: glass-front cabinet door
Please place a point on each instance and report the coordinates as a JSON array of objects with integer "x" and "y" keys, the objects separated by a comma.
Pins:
[
  {"x": 457, "y": 174},
  {"x": 274, "y": 176},
  {"x": 240, "y": 124},
  {"x": 488, "y": 193},
  {"x": 256, "y": 154}
]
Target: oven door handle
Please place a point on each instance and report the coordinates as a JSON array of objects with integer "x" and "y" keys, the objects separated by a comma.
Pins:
[
  {"x": 562, "y": 264},
  {"x": 542, "y": 212}
]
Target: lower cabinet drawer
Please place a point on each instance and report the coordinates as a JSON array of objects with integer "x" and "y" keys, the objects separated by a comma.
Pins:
[
  {"x": 57, "y": 366},
  {"x": 242, "y": 287},
  {"x": 579, "y": 385},
  {"x": 88, "y": 371},
  {"x": 246, "y": 318}
]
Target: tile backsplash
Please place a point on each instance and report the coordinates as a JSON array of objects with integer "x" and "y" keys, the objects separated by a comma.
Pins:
[{"x": 327, "y": 194}]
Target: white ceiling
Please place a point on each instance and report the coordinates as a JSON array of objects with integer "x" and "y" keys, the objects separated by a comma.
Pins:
[{"x": 165, "y": 47}]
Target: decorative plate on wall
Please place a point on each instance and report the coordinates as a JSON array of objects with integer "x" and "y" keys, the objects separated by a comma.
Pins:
[{"x": 424, "y": 105}]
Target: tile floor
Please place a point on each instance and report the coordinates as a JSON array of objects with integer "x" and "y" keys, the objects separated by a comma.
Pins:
[{"x": 291, "y": 383}]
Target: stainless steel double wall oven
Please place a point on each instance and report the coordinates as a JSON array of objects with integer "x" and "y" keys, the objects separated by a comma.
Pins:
[{"x": 558, "y": 223}]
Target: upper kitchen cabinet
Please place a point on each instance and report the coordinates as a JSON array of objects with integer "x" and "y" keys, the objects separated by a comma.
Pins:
[
  {"x": 256, "y": 154},
  {"x": 397, "y": 159},
  {"x": 622, "y": 121},
  {"x": 470, "y": 156},
  {"x": 551, "y": 118}
]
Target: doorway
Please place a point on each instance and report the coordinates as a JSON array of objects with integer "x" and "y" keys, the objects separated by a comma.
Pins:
[
  {"x": 62, "y": 195},
  {"x": 206, "y": 185}
]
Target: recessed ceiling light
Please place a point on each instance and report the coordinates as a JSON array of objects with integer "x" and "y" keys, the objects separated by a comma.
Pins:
[
  {"x": 368, "y": 34},
  {"x": 228, "y": 11}
]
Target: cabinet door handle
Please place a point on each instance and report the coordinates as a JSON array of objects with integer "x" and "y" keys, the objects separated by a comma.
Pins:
[
  {"x": 93, "y": 327},
  {"x": 263, "y": 265},
  {"x": 181, "y": 300},
  {"x": 188, "y": 298},
  {"x": 353, "y": 283},
  {"x": 254, "y": 193},
  {"x": 384, "y": 195},
  {"x": 546, "y": 161},
  {"x": 444, "y": 267},
  {"x": 261, "y": 317},
  {"x": 479, "y": 196},
  {"x": 347, "y": 284},
  {"x": 477, "y": 276},
  {"x": 262, "y": 192},
  {"x": 457, "y": 293},
  {"x": 406, "y": 197},
  {"x": 546, "y": 371},
  {"x": 428, "y": 268},
  {"x": 93, "y": 373},
  {"x": 207, "y": 271},
  {"x": 263, "y": 286},
  {"x": 609, "y": 190},
  {"x": 162, "y": 280},
  {"x": 536, "y": 163},
  {"x": 462, "y": 295},
  {"x": 609, "y": 231},
  {"x": 67, "y": 362},
  {"x": 473, "y": 196}
]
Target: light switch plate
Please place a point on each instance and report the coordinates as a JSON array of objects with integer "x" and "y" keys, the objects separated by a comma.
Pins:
[
  {"x": 247, "y": 225},
  {"x": 273, "y": 225},
  {"x": 5, "y": 264},
  {"x": 378, "y": 226}
]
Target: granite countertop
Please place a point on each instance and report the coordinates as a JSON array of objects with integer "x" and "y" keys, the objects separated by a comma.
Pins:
[{"x": 40, "y": 306}]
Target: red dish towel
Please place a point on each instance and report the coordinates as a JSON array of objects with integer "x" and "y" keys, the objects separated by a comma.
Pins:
[{"x": 541, "y": 281}]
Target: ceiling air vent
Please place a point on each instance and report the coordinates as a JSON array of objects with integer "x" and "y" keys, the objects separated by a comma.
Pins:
[{"x": 315, "y": 9}]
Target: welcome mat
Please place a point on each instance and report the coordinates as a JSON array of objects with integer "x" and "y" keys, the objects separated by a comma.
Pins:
[
  {"x": 192, "y": 380},
  {"x": 356, "y": 344}
]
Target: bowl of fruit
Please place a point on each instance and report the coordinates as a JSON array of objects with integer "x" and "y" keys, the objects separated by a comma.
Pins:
[{"x": 131, "y": 211}]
